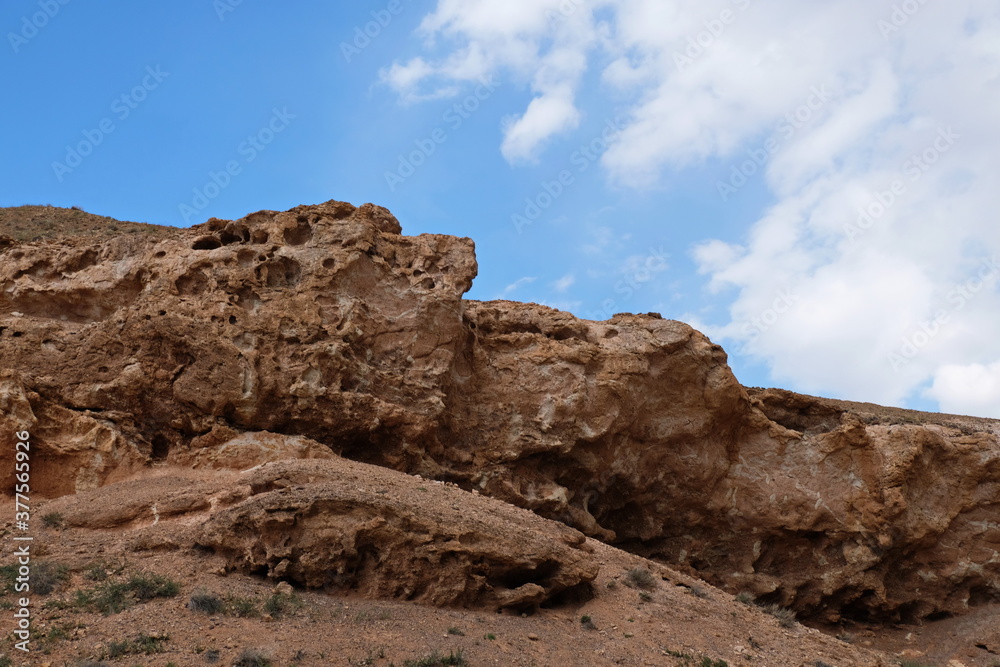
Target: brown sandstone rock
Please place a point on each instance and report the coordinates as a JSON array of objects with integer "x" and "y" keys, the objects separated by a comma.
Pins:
[{"x": 325, "y": 322}]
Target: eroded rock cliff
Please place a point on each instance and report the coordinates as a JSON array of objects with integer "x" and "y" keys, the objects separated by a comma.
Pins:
[{"x": 325, "y": 322}]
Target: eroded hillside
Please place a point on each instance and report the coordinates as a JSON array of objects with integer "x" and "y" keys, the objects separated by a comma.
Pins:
[{"x": 324, "y": 324}]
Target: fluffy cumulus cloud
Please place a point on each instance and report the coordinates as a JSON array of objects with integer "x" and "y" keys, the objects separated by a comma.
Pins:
[{"x": 874, "y": 273}]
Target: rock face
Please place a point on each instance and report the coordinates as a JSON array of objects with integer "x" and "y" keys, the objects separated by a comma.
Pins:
[
  {"x": 340, "y": 525},
  {"x": 325, "y": 322}
]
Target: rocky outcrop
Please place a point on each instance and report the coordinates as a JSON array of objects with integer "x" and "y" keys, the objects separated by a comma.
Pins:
[
  {"x": 340, "y": 525},
  {"x": 324, "y": 322}
]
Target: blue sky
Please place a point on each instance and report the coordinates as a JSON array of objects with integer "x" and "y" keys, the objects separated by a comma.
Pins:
[{"x": 811, "y": 185}]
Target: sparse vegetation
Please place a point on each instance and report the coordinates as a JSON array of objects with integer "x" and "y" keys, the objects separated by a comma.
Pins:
[
  {"x": 640, "y": 577},
  {"x": 435, "y": 659},
  {"x": 587, "y": 622},
  {"x": 281, "y": 604},
  {"x": 53, "y": 520},
  {"x": 8, "y": 577},
  {"x": 645, "y": 597},
  {"x": 490, "y": 636},
  {"x": 786, "y": 617},
  {"x": 112, "y": 597},
  {"x": 142, "y": 644},
  {"x": 698, "y": 592},
  {"x": 100, "y": 570},
  {"x": 250, "y": 657},
  {"x": 206, "y": 603},
  {"x": 455, "y": 631},
  {"x": 242, "y": 607},
  {"x": 47, "y": 576},
  {"x": 688, "y": 660}
]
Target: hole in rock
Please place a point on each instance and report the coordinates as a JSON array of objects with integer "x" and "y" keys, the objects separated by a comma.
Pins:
[
  {"x": 299, "y": 234},
  {"x": 161, "y": 447},
  {"x": 206, "y": 243}
]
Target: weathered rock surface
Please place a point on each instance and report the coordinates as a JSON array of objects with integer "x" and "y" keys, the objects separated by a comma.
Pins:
[
  {"x": 325, "y": 322},
  {"x": 341, "y": 525}
]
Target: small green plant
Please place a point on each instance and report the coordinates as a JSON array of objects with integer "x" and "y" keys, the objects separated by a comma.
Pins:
[
  {"x": 140, "y": 645},
  {"x": 148, "y": 586},
  {"x": 708, "y": 662},
  {"x": 212, "y": 655},
  {"x": 281, "y": 604},
  {"x": 250, "y": 657},
  {"x": 640, "y": 577},
  {"x": 611, "y": 585},
  {"x": 490, "y": 636},
  {"x": 8, "y": 577},
  {"x": 698, "y": 592},
  {"x": 645, "y": 597},
  {"x": 435, "y": 659},
  {"x": 587, "y": 623},
  {"x": 206, "y": 603},
  {"x": 455, "y": 631},
  {"x": 745, "y": 598},
  {"x": 5, "y": 661},
  {"x": 786, "y": 617},
  {"x": 242, "y": 607},
  {"x": 47, "y": 576},
  {"x": 53, "y": 520},
  {"x": 111, "y": 597}
]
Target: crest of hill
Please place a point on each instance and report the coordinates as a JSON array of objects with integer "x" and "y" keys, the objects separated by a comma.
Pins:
[{"x": 33, "y": 223}]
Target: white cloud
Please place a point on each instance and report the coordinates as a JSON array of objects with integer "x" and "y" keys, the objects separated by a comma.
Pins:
[
  {"x": 514, "y": 286},
  {"x": 973, "y": 389},
  {"x": 546, "y": 116},
  {"x": 564, "y": 283},
  {"x": 879, "y": 146}
]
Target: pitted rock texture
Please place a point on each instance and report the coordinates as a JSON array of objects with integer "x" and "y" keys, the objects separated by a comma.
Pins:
[
  {"x": 336, "y": 524},
  {"x": 325, "y": 322},
  {"x": 343, "y": 524}
]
